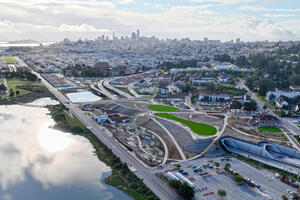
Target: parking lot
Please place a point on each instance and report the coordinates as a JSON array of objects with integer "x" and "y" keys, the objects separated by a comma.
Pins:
[{"x": 207, "y": 180}]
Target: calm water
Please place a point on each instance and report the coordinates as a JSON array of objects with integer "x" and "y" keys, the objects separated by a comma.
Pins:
[
  {"x": 4, "y": 44},
  {"x": 41, "y": 163},
  {"x": 83, "y": 97},
  {"x": 44, "y": 102}
]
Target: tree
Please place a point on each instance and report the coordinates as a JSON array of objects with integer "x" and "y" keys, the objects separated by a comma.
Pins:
[
  {"x": 265, "y": 85},
  {"x": 30, "y": 76},
  {"x": 284, "y": 197},
  {"x": 222, "y": 193},
  {"x": 177, "y": 166},
  {"x": 223, "y": 58},
  {"x": 11, "y": 94},
  {"x": 295, "y": 79},
  {"x": 241, "y": 60},
  {"x": 217, "y": 164},
  {"x": 2, "y": 87},
  {"x": 183, "y": 189},
  {"x": 236, "y": 105},
  {"x": 250, "y": 106},
  {"x": 227, "y": 166},
  {"x": 238, "y": 178},
  {"x": 272, "y": 97}
]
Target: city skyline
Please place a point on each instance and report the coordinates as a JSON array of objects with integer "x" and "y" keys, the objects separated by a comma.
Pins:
[{"x": 54, "y": 20}]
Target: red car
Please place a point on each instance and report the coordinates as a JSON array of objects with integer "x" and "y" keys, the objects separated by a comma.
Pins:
[
  {"x": 219, "y": 172},
  {"x": 209, "y": 193},
  {"x": 167, "y": 170},
  {"x": 204, "y": 188},
  {"x": 191, "y": 178},
  {"x": 207, "y": 175}
]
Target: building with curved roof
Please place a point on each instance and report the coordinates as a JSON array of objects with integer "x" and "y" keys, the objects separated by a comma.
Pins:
[{"x": 264, "y": 150}]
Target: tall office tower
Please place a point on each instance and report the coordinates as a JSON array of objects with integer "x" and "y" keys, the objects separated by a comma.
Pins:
[
  {"x": 205, "y": 39},
  {"x": 138, "y": 33},
  {"x": 133, "y": 36},
  {"x": 238, "y": 40}
]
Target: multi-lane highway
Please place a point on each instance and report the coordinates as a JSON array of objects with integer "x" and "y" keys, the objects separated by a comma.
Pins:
[
  {"x": 106, "y": 84},
  {"x": 104, "y": 91},
  {"x": 153, "y": 182}
]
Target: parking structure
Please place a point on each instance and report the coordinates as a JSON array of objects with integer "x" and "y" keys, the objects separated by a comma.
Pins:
[{"x": 207, "y": 180}]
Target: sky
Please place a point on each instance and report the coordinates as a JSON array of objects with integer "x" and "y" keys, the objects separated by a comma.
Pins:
[{"x": 54, "y": 20}]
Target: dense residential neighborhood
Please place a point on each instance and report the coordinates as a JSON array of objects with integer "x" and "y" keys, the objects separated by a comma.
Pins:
[{"x": 175, "y": 118}]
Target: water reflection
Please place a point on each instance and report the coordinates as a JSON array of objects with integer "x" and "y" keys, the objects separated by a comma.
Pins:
[
  {"x": 38, "y": 162},
  {"x": 83, "y": 97}
]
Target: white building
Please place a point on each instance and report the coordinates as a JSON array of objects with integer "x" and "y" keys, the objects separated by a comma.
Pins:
[
  {"x": 226, "y": 67},
  {"x": 99, "y": 116},
  {"x": 189, "y": 69},
  {"x": 170, "y": 97},
  {"x": 277, "y": 94},
  {"x": 213, "y": 97}
]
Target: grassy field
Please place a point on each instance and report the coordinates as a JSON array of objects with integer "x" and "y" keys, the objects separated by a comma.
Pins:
[
  {"x": 270, "y": 129},
  {"x": 15, "y": 84},
  {"x": 196, "y": 127},
  {"x": 163, "y": 108},
  {"x": 10, "y": 60}
]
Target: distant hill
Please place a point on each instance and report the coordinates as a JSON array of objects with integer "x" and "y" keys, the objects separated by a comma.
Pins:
[{"x": 24, "y": 42}]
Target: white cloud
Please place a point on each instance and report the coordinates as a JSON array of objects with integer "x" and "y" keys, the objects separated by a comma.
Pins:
[
  {"x": 278, "y": 15},
  {"x": 261, "y": 8},
  {"x": 57, "y": 19},
  {"x": 224, "y": 1},
  {"x": 125, "y": 1},
  {"x": 81, "y": 28}
]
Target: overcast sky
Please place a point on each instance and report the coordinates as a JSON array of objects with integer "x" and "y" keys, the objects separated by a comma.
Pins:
[{"x": 54, "y": 20}]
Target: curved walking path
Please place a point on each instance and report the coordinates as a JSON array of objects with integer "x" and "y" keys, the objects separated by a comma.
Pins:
[
  {"x": 172, "y": 138},
  {"x": 166, "y": 155}
]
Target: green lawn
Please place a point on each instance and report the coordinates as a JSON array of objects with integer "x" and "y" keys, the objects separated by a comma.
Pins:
[
  {"x": 14, "y": 83},
  {"x": 270, "y": 129},
  {"x": 10, "y": 60},
  {"x": 163, "y": 108},
  {"x": 196, "y": 127}
]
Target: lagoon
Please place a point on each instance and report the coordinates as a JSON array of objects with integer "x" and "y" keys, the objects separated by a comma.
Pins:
[{"x": 39, "y": 162}]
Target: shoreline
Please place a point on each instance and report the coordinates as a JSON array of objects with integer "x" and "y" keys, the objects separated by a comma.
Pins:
[{"x": 121, "y": 177}]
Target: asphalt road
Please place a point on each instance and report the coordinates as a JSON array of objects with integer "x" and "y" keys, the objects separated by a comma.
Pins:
[
  {"x": 104, "y": 91},
  {"x": 153, "y": 182},
  {"x": 285, "y": 122},
  {"x": 106, "y": 84}
]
